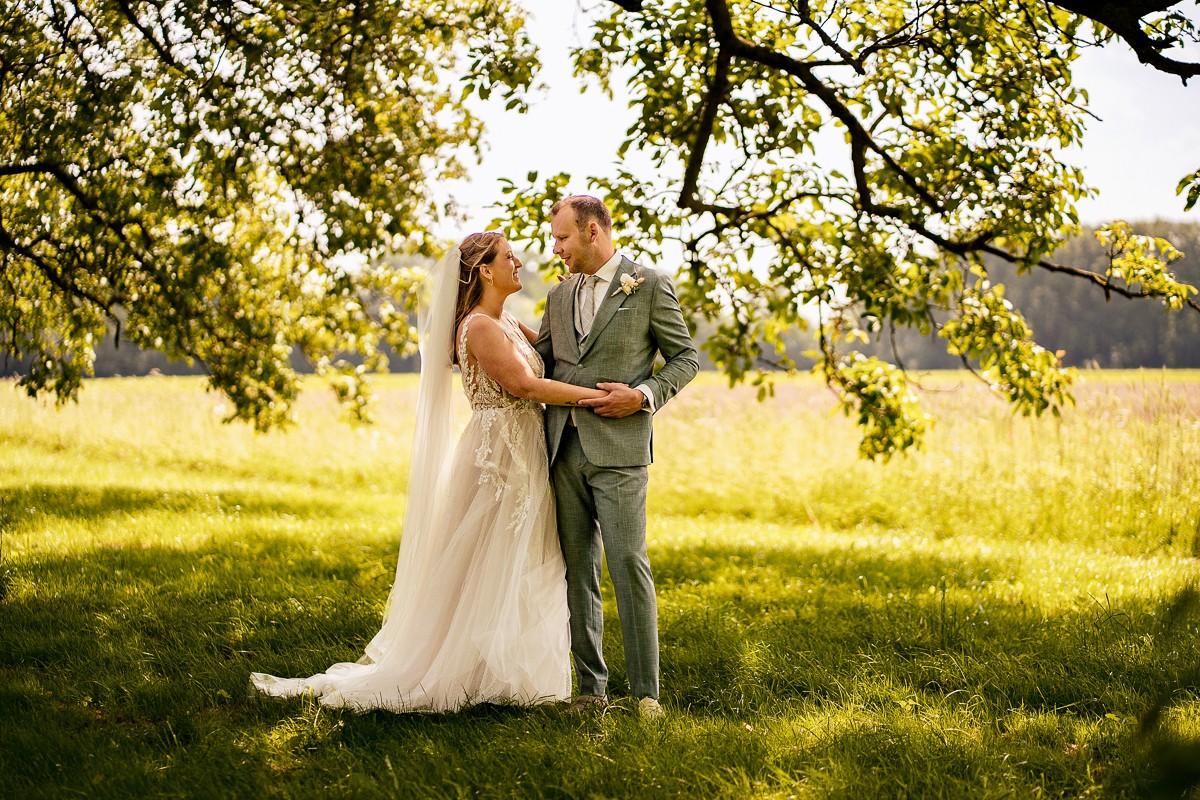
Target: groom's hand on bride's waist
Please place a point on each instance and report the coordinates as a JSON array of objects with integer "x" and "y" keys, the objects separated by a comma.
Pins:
[{"x": 621, "y": 401}]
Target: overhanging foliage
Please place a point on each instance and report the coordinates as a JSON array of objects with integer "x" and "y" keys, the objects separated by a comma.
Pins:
[{"x": 848, "y": 164}]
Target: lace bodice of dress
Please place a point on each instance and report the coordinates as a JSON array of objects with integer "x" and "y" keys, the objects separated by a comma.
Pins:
[{"x": 481, "y": 389}]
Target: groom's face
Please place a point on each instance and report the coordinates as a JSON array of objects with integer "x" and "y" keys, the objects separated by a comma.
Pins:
[{"x": 574, "y": 246}]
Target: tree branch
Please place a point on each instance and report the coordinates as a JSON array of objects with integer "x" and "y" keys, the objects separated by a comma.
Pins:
[
  {"x": 727, "y": 38},
  {"x": 731, "y": 44},
  {"x": 159, "y": 47},
  {"x": 9, "y": 244},
  {"x": 1103, "y": 281},
  {"x": 1124, "y": 19},
  {"x": 716, "y": 95},
  {"x": 68, "y": 182}
]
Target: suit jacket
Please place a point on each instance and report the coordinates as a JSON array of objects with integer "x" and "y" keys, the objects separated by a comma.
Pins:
[{"x": 628, "y": 332}]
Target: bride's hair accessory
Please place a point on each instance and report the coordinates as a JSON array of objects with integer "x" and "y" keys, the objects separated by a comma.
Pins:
[{"x": 476, "y": 250}]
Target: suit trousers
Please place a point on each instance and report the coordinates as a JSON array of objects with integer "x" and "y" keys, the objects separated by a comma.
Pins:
[{"x": 605, "y": 509}]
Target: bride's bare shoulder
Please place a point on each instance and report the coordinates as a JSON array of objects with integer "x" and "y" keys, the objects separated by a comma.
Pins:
[
  {"x": 469, "y": 323},
  {"x": 482, "y": 330}
]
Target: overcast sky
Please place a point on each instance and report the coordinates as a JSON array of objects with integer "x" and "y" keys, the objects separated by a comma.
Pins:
[{"x": 1147, "y": 137}]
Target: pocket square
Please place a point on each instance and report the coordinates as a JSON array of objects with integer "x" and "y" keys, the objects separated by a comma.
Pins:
[{"x": 626, "y": 308}]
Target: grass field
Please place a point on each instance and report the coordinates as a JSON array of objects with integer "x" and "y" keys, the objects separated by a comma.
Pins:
[{"x": 989, "y": 617}]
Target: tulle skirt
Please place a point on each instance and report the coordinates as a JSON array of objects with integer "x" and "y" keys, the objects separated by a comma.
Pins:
[{"x": 480, "y": 615}]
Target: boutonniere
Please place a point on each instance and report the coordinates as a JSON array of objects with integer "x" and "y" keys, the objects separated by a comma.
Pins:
[{"x": 629, "y": 284}]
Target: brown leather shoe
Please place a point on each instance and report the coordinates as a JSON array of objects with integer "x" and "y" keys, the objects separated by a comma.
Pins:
[{"x": 587, "y": 704}]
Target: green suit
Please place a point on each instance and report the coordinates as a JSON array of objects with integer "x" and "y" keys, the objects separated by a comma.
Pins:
[{"x": 598, "y": 465}]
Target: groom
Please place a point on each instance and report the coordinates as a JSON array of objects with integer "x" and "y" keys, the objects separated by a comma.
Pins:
[{"x": 603, "y": 327}]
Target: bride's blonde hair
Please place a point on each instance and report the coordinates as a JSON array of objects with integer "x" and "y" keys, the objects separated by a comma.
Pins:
[{"x": 475, "y": 251}]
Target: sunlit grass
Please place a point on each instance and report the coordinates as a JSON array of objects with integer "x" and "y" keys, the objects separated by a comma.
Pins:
[{"x": 983, "y": 618}]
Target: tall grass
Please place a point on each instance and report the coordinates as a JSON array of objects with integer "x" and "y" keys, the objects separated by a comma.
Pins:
[{"x": 985, "y": 618}]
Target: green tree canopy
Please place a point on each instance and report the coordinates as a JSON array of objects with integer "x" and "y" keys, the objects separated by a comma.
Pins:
[
  {"x": 870, "y": 154},
  {"x": 212, "y": 176}
]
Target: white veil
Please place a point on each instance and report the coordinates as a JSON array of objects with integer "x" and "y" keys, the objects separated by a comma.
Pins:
[{"x": 433, "y": 443}]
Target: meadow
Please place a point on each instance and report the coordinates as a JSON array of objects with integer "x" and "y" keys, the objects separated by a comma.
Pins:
[{"x": 1005, "y": 613}]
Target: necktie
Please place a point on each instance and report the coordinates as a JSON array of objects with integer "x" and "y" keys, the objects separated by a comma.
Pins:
[{"x": 587, "y": 304}]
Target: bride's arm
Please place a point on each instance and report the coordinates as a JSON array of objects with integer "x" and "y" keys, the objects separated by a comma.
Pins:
[
  {"x": 499, "y": 358},
  {"x": 529, "y": 332}
]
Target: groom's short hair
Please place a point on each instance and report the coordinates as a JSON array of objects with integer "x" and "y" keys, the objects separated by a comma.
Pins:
[{"x": 587, "y": 209}]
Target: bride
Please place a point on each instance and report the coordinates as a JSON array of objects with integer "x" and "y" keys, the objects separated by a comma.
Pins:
[{"x": 478, "y": 610}]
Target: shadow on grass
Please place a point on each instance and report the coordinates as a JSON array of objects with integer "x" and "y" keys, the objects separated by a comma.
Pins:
[
  {"x": 142, "y": 655},
  {"x": 811, "y": 622},
  {"x": 25, "y": 504}
]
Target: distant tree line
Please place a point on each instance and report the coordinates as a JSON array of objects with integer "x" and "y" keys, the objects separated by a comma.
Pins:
[
  {"x": 125, "y": 358},
  {"x": 1070, "y": 315}
]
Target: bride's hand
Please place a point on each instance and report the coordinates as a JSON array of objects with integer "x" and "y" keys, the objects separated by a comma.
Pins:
[{"x": 621, "y": 401}]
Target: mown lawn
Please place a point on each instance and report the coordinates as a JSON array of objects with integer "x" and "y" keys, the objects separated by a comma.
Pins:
[{"x": 989, "y": 617}]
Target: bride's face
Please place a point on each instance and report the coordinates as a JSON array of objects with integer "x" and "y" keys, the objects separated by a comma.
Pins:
[{"x": 505, "y": 269}]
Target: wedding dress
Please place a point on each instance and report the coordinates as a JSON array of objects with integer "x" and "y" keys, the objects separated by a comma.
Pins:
[{"x": 478, "y": 611}]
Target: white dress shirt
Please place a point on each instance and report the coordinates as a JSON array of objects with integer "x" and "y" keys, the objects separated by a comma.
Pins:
[{"x": 604, "y": 278}]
